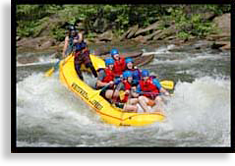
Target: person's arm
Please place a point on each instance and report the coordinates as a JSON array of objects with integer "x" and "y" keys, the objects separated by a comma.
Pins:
[
  {"x": 133, "y": 92},
  {"x": 101, "y": 76},
  {"x": 66, "y": 43},
  {"x": 158, "y": 85},
  {"x": 80, "y": 38}
]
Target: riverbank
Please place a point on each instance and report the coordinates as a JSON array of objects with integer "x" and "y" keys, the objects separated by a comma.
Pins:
[{"x": 142, "y": 37}]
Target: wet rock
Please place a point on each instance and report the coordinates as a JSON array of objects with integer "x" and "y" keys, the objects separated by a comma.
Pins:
[{"x": 221, "y": 45}]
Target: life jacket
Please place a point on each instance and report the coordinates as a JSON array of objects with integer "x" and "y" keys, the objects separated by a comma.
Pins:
[
  {"x": 136, "y": 74},
  {"x": 127, "y": 85},
  {"x": 119, "y": 66},
  {"x": 80, "y": 46},
  {"x": 148, "y": 86},
  {"x": 109, "y": 76}
]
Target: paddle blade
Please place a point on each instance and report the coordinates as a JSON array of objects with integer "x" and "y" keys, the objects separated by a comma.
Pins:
[
  {"x": 166, "y": 84},
  {"x": 50, "y": 72}
]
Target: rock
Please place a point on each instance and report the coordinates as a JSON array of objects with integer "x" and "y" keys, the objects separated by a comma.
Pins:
[
  {"x": 223, "y": 22},
  {"x": 208, "y": 16},
  {"x": 100, "y": 25},
  {"x": 125, "y": 35},
  {"x": 165, "y": 33},
  {"x": 132, "y": 32},
  {"x": 221, "y": 44},
  {"x": 106, "y": 36},
  {"x": 150, "y": 37},
  {"x": 47, "y": 44},
  {"x": 226, "y": 47},
  {"x": 140, "y": 39},
  {"x": 153, "y": 26}
]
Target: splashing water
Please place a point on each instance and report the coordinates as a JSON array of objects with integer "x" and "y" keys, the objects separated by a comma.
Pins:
[{"x": 50, "y": 115}]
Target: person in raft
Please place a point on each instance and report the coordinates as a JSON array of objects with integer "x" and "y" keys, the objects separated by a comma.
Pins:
[
  {"x": 68, "y": 41},
  {"x": 82, "y": 54},
  {"x": 150, "y": 89},
  {"x": 136, "y": 73},
  {"x": 127, "y": 98},
  {"x": 119, "y": 64},
  {"x": 106, "y": 81}
]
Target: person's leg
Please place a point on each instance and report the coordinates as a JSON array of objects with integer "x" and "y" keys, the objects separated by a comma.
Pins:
[
  {"x": 143, "y": 103},
  {"x": 77, "y": 65},
  {"x": 133, "y": 101},
  {"x": 130, "y": 108},
  {"x": 159, "y": 105},
  {"x": 89, "y": 65},
  {"x": 109, "y": 94}
]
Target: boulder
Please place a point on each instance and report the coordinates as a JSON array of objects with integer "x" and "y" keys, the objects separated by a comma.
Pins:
[
  {"x": 132, "y": 32},
  {"x": 140, "y": 39},
  {"x": 106, "y": 36},
  {"x": 221, "y": 44},
  {"x": 47, "y": 44},
  {"x": 151, "y": 36},
  {"x": 208, "y": 16},
  {"x": 165, "y": 33},
  {"x": 153, "y": 26},
  {"x": 100, "y": 25},
  {"x": 223, "y": 22}
]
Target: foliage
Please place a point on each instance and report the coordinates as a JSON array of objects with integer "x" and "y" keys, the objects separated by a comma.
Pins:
[{"x": 32, "y": 20}]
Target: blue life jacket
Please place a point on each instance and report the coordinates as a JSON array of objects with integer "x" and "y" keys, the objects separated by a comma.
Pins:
[
  {"x": 136, "y": 74},
  {"x": 80, "y": 46}
]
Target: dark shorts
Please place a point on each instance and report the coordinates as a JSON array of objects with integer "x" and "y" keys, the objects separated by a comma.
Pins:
[
  {"x": 82, "y": 57},
  {"x": 120, "y": 105}
]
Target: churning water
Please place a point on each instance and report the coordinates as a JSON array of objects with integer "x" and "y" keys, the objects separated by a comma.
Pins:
[{"x": 197, "y": 115}]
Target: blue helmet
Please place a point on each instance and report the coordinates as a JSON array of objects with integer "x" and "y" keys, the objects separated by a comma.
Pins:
[
  {"x": 145, "y": 73},
  {"x": 114, "y": 51},
  {"x": 109, "y": 61},
  {"x": 127, "y": 60},
  {"x": 127, "y": 74}
]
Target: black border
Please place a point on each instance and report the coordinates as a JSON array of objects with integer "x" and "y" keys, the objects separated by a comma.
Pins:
[{"x": 15, "y": 149}]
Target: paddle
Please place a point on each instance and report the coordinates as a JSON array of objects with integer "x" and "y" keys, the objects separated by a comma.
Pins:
[
  {"x": 51, "y": 71},
  {"x": 167, "y": 84}
]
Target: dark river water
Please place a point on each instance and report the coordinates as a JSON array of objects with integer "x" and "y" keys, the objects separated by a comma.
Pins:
[{"x": 197, "y": 115}]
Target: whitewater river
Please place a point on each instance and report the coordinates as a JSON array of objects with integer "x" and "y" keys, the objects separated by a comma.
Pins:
[{"x": 197, "y": 115}]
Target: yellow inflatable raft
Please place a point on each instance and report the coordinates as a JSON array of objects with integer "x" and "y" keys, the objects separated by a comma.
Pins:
[{"x": 107, "y": 112}]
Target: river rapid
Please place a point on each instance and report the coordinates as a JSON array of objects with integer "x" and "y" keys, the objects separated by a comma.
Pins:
[{"x": 198, "y": 115}]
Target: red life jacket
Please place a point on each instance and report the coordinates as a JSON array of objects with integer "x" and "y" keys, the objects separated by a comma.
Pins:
[
  {"x": 119, "y": 66},
  {"x": 148, "y": 86},
  {"x": 109, "y": 75},
  {"x": 127, "y": 85}
]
